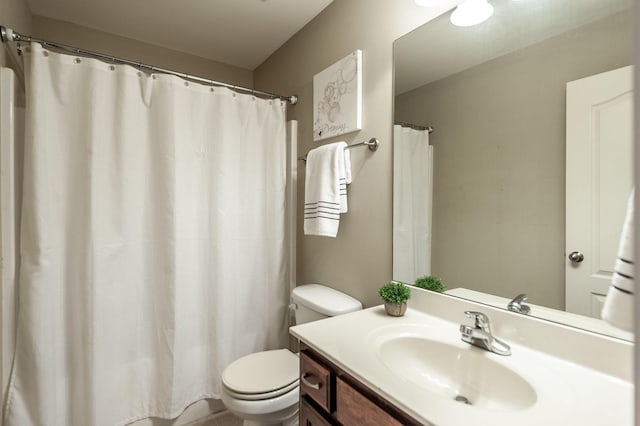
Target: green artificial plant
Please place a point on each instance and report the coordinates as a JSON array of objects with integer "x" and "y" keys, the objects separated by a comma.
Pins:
[{"x": 393, "y": 292}]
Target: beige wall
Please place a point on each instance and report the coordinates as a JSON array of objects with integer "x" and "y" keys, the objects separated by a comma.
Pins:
[
  {"x": 499, "y": 142},
  {"x": 126, "y": 48},
  {"x": 358, "y": 261},
  {"x": 14, "y": 14}
]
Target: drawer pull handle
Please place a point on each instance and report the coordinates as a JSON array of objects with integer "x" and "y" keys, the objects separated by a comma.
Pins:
[{"x": 307, "y": 383}]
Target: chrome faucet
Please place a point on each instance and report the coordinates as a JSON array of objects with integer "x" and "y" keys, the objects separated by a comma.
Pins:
[
  {"x": 480, "y": 334},
  {"x": 517, "y": 305}
]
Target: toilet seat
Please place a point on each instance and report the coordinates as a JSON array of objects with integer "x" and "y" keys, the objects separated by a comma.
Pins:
[
  {"x": 262, "y": 375},
  {"x": 260, "y": 396},
  {"x": 266, "y": 411}
]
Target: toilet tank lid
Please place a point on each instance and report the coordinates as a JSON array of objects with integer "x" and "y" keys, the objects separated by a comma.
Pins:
[{"x": 325, "y": 300}]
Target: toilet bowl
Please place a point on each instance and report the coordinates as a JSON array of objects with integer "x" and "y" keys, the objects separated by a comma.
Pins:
[{"x": 263, "y": 388}]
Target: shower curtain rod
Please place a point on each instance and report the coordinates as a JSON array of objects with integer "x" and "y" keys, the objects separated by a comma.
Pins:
[
  {"x": 415, "y": 126},
  {"x": 7, "y": 35}
]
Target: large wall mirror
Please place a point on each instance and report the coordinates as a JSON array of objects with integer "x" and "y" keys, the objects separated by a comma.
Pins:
[{"x": 521, "y": 187}]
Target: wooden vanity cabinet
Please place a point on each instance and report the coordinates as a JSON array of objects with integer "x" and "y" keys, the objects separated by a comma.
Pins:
[
  {"x": 329, "y": 396},
  {"x": 309, "y": 416}
]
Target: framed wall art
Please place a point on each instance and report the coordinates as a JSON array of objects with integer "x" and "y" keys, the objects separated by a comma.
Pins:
[{"x": 337, "y": 98}]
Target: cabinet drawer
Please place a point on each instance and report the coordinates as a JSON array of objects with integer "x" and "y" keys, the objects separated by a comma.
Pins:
[
  {"x": 353, "y": 408},
  {"x": 310, "y": 417},
  {"x": 314, "y": 381}
]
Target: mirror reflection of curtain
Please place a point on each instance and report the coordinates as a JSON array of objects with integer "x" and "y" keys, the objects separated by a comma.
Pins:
[{"x": 412, "y": 203}]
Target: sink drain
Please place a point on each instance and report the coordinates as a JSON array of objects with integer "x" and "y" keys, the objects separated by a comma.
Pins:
[{"x": 462, "y": 399}]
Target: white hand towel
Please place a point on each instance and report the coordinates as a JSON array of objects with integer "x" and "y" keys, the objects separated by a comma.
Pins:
[
  {"x": 347, "y": 165},
  {"x": 345, "y": 175},
  {"x": 325, "y": 190},
  {"x": 618, "y": 305}
]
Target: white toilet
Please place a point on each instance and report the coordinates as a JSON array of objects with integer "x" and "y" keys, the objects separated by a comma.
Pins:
[{"x": 262, "y": 388}]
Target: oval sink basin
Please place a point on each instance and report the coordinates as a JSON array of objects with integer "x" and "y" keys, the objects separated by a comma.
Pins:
[{"x": 466, "y": 374}]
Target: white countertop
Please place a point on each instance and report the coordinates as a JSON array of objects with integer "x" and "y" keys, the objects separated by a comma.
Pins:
[{"x": 566, "y": 392}]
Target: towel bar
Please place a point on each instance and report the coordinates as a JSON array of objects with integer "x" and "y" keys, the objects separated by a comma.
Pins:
[{"x": 372, "y": 143}]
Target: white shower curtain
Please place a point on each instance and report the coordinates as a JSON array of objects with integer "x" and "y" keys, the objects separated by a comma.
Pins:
[
  {"x": 152, "y": 241},
  {"x": 412, "y": 203}
]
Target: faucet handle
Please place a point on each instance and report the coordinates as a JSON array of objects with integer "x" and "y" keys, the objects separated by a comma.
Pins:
[
  {"x": 519, "y": 298},
  {"x": 481, "y": 335},
  {"x": 481, "y": 321}
]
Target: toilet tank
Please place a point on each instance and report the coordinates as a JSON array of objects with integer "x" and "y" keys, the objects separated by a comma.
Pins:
[{"x": 315, "y": 302}]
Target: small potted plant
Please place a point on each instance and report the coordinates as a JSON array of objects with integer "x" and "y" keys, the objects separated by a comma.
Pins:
[
  {"x": 430, "y": 282},
  {"x": 395, "y": 296}
]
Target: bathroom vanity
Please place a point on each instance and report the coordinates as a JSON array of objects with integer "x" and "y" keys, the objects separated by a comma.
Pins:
[{"x": 367, "y": 368}]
